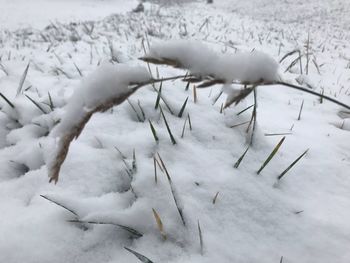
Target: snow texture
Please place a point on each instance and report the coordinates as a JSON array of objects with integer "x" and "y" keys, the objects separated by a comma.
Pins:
[{"x": 245, "y": 67}]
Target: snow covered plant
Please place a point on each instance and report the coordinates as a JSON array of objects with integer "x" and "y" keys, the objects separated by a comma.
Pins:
[
  {"x": 108, "y": 86},
  {"x": 207, "y": 67},
  {"x": 111, "y": 85}
]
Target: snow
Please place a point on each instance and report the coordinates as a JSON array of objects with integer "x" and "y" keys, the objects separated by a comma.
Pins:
[
  {"x": 303, "y": 218},
  {"x": 250, "y": 67}
]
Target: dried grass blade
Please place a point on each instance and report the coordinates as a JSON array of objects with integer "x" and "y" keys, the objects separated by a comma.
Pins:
[{"x": 159, "y": 223}]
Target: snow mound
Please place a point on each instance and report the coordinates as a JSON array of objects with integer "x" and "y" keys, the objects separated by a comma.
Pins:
[{"x": 245, "y": 67}]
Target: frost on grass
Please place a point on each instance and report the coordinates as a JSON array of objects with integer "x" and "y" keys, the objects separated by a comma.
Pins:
[
  {"x": 108, "y": 86},
  {"x": 244, "y": 67}
]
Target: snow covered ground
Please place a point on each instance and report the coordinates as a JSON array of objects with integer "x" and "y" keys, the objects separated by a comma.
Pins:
[
  {"x": 40, "y": 13},
  {"x": 304, "y": 217}
]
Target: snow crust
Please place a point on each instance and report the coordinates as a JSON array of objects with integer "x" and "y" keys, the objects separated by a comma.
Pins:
[{"x": 249, "y": 67}]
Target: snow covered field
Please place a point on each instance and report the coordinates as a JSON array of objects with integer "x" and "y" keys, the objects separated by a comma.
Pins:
[
  {"x": 40, "y": 13},
  {"x": 109, "y": 174}
]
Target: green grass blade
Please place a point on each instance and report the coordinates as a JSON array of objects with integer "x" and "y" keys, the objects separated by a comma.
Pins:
[
  {"x": 7, "y": 101},
  {"x": 236, "y": 165},
  {"x": 292, "y": 164},
  {"x": 36, "y": 104},
  {"x": 78, "y": 70},
  {"x": 141, "y": 109},
  {"x": 200, "y": 238},
  {"x": 51, "y": 105},
  {"x": 134, "y": 165},
  {"x": 183, "y": 108},
  {"x": 158, "y": 96},
  {"x": 173, "y": 191},
  {"x": 168, "y": 128},
  {"x": 153, "y": 131},
  {"x": 137, "y": 114},
  {"x": 239, "y": 113},
  {"x": 141, "y": 257},
  {"x": 272, "y": 154},
  {"x": 300, "y": 111},
  {"x": 189, "y": 121},
  {"x": 126, "y": 228},
  {"x": 183, "y": 129}
]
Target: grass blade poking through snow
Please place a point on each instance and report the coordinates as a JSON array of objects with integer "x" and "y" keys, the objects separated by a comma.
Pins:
[
  {"x": 36, "y": 104},
  {"x": 141, "y": 257},
  {"x": 292, "y": 164},
  {"x": 78, "y": 70},
  {"x": 51, "y": 105},
  {"x": 134, "y": 165},
  {"x": 153, "y": 132},
  {"x": 215, "y": 197},
  {"x": 21, "y": 82},
  {"x": 61, "y": 205},
  {"x": 167, "y": 127},
  {"x": 3, "y": 69},
  {"x": 173, "y": 191},
  {"x": 155, "y": 170},
  {"x": 200, "y": 238},
  {"x": 7, "y": 101},
  {"x": 137, "y": 114},
  {"x": 300, "y": 111},
  {"x": 241, "y": 158},
  {"x": 183, "y": 108},
  {"x": 183, "y": 129},
  {"x": 126, "y": 228},
  {"x": 189, "y": 121},
  {"x": 159, "y": 223},
  {"x": 272, "y": 154},
  {"x": 158, "y": 96},
  {"x": 141, "y": 109},
  {"x": 187, "y": 85},
  {"x": 239, "y": 113}
]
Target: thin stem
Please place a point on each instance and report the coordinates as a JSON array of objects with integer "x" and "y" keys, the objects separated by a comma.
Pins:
[{"x": 310, "y": 91}]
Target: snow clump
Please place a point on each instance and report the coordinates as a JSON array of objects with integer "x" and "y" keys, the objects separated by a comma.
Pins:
[
  {"x": 108, "y": 81},
  {"x": 245, "y": 67}
]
